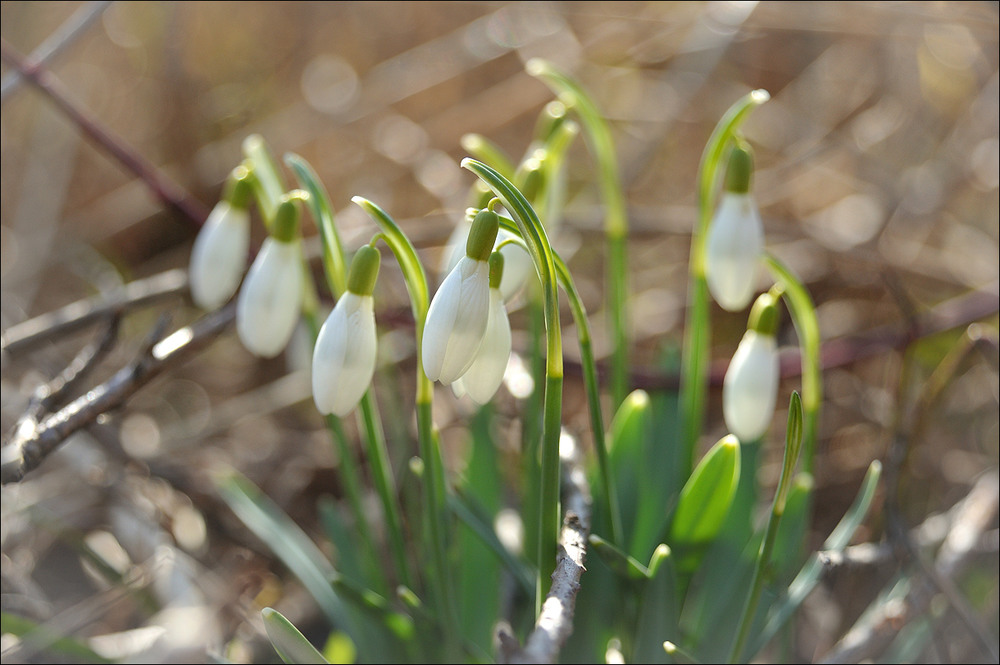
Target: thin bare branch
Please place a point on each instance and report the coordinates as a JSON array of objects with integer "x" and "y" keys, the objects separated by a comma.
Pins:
[
  {"x": 29, "y": 446},
  {"x": 168, "y": 191},
  {"x": 970, "y": 520},
  {"x": 78, "y": 315},
  {"x": 57, "y": 42},
  {"x": 555, "y": 622}
]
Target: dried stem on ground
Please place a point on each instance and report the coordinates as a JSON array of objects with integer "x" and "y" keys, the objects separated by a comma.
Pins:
[{"x": 555, "y": 622}]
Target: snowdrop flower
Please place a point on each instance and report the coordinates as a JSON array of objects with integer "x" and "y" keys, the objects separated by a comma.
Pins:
[
  {"x": 344, "y": 357},
  {"x": 735, "y": 237},
  {"x": 270, "y": 301},
  {"x": 751, "y": 385},
  {"x": 485, "y": 375},
  {"x": 518, "y": 267},
  {"x": 219, "y": 256},
  {"x": 457, "y": 318}
]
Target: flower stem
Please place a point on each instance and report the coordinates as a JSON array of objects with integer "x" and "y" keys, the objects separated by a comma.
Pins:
[
  {"x": 697, "y": 334},
  {"x": 616, "y": 217},
  {"x": 541, "y": 254},
  {"x": 803, "y": 312},
  {"x": 793, "y": 445},
  {"x": 434, "y": 485}
]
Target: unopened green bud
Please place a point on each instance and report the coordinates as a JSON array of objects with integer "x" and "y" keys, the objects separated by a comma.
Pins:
[
  {"x": 739, "y": 169},
  {"x": 530, "y": 175},
  {"x": 553, "y": 115},
  {"x": 496, "y": 269},
  {"x": 764, "y": 315},
  {"x": 286, "y": 219},
  {"x": 482, "y": 235},
  {"x": 239, "y": 188},
  {"x": 364, "y": 271}
]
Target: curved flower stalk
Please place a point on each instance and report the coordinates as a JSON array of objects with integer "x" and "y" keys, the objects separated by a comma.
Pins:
[
  {"x": 697, "y": 333},
  {"x": 751, "y": 385},
  {"x": 735, "y": 237},
  {"x": 270, "y": 301},
  {"x": 485, "y": 375},
  {"x": 459, "y": 311},
  {"x": 219, "y": 255},
  {"x": 344, "y": 356}
]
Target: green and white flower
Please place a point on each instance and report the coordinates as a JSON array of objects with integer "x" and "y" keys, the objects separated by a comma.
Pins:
[
  {"x": 344, "y": 357},
  {"x": 735, "y": 238},
  {"x": 750, "y": 389}
]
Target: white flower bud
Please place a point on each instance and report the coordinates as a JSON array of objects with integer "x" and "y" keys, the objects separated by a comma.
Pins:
[
  {"x": 751, "y": 386},
  {"x": 456, "y": 321},
  {"x": 735, "y": 244},
  {"x": 270, "y": 301},
  {"x": 344, "y": 358},
  {"x": 219, "y": 256}
]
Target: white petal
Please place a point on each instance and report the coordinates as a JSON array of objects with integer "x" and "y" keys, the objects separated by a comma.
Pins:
[
  {"x": 517, "y": 267},
  {"x": 344, "y": 358},
  {"x": 456, "y": 321},
  {"x": 485, "y": 374},
  {"x": 751, "y": 386},
  {"x": 219, "y": 256},
  {"x": 270, "y": 301},
  {"x": 735, "y": 244}
]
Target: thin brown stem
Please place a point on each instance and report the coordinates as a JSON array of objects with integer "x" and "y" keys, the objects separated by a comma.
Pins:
[{"x": 169, "y": 192}]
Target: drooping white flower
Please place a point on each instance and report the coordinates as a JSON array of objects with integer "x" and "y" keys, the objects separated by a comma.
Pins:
[
  {"x": 750, "y": 388},
  {"x": 270, "y": 302},
  {"x": 735, "y": 238},
  {"x": 344, "y": 357},
  {"x": 219, "y": 255},
  {"x": 518, "y": 267},
  {"x": 458, "y": 314},
  {"x": 485, "y": 375}
]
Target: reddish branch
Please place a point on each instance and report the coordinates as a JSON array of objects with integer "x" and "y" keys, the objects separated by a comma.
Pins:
[{"x": 169, "y": 192}]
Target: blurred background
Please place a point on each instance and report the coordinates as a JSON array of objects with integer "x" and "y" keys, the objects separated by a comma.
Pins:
[{"x": 878, "y": 164}]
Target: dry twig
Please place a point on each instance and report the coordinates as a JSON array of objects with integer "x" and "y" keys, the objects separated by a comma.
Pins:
[
  {"x": 31, "y": 443},
  {"x": 555, "y": 622}
]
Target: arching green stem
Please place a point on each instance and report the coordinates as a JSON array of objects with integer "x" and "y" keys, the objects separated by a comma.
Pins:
[
  {"x": 430, "y": 451},
  {"x": 803, "y": 311},
  {"x": 590, "y": 384},
  {"x": 697, "y": 334},
  {"x": 335, "y": 269},
  {"x": 616, "y": 217},
  {"x": 541, "y": 255}
]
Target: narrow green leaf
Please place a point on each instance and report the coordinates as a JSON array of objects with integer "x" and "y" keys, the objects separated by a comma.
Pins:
[
  {"x": 343, "y": 539},
  {"x": 788, "y": 553},
  {"x": 803, "y": 311},
  {"x": 626, "y": 457},
  {"x": 705, "y": 500},
  {"x": 490, "y": 153},
  {"x": 45, "y": 639},
  {"x": 286, "y": 539},
  {"x": 291, "y": 645},
  {"x": 376, "y": 606},
  {"x": 484, "y": 532},
  {"x": 334, "y": 264},
  {"x": 658, "y": 611},
  {"x": 617, "y": 560},
  {"x": 809, "y": 576},
  {"x": 269, "y": 185}
]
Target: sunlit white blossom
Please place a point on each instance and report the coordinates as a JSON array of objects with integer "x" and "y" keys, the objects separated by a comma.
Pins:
[
  {"x": 219, "y": 256},
  {"x": 270, "y": 301}
]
